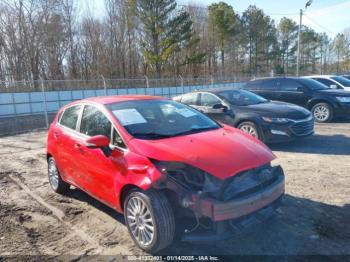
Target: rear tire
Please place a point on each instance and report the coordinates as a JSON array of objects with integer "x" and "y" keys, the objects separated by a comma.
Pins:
[
  {"x": 250, "y": 128},
  {"x": 56, "y": 182},
  {"x": 322, "y": 112},
  {"x": 150, "y": 219}
]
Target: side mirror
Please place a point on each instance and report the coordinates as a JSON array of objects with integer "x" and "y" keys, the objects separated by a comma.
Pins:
[
  {"x": 335, "y": 87},
  {"x": 302, "y": 89},
  {"x": 97, "y": 142},
  {"x": 101, "y": 142},
  {"x": 220, "y": 106}
]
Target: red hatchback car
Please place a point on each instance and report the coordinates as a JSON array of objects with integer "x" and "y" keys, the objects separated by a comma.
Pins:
[{"x": 158, "y": 162}]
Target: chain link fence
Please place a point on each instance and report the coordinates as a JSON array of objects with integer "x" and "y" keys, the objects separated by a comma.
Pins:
[{"x": 30, "y": 105}]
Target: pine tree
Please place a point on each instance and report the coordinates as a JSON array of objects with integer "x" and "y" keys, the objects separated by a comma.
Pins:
[{"x": 164, "y": 31}]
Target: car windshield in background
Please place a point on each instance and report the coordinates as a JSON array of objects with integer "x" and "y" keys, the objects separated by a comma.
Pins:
[
  {"x": 312, "y": 84},
  {"x": 241, "y": 97},
  {"x": 341, "y": 80},
  {"x": 156, "y": 119}
]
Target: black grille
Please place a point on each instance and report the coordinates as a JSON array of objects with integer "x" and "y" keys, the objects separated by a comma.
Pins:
[
  {"x": 303, "y": 128},
  {"x": 243, "y": 184}
]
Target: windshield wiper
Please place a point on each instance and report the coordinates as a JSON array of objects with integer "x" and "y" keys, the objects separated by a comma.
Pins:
[
  {"x": 196, "y": 130},
  {"x": 150, "y": 135}
]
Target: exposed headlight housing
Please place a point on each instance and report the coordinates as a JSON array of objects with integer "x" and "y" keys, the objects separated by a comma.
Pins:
[
  {"x": 277, "y": 120},
  {"x": 343, "y": 99},
  {"x": 188, "y": 176}
]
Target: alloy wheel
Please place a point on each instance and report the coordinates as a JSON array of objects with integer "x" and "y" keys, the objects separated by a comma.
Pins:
[
  {"x": 53, "y": 174},
  {"x": 321, "y": 113},
  {"x": 249, "y": 130},
  {"x": 140, "y": 221}
]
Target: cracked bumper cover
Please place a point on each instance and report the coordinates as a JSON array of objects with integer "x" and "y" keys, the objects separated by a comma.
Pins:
[{"x": 239, "y": 207}]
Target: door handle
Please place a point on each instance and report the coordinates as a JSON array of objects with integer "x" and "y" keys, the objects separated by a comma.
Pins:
[{"x": 77, "y": 146}]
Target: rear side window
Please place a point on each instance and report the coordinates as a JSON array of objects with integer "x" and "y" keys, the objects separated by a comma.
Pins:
[
  {"x": 253, "y": 85},
  {"x": 94, "y": 122},
  {"x": 190, "y": 99},
  {"x": 288, "y": 85},
  {"x": 70, "y": 117},
  {"x": 269, "y": 84}
]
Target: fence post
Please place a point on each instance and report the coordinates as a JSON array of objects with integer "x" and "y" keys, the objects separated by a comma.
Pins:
[
  {"x": 147, "y": 82},
  {"x": 45, "y": 104},
  {"x": 104, "y": 84},
  {"x": 212, "y": 80},
  {"x": 182, "y": 80}
]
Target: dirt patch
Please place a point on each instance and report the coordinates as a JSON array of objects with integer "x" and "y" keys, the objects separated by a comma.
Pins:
[{"x": 313, "y": 219}]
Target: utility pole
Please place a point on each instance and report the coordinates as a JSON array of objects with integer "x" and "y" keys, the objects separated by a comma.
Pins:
[{"x": 299, "y": 36}]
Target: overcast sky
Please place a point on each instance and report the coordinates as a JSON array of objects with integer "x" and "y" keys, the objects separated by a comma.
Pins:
[{"x": 330, "y": 16}]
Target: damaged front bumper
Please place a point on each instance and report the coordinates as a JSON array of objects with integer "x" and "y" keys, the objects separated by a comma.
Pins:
[
  {"x": 236, "y": 215},
  {"x": 242, "y": 206},
  {"x": 227, "y": 228}
]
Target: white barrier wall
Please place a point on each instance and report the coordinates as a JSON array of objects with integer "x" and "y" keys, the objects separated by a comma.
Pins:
[{"x": 30, "y": 103}]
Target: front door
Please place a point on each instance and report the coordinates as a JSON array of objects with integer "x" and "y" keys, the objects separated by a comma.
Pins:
[
  {"x": 100, "y": 171},
  {"x": 292, "y": 92},
  {"x": 206, "y": 103}
]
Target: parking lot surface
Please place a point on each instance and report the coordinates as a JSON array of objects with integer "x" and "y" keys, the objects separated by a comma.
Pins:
[{"x": 313, "y": 219}]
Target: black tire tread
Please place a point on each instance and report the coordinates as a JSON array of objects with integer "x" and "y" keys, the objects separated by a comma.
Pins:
[
  {"x": 164, "y": 218},
  {"x": 63, "y": 187}
]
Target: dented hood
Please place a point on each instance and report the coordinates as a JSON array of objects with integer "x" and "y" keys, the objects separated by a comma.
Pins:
[{"x": 223, "y": 153}]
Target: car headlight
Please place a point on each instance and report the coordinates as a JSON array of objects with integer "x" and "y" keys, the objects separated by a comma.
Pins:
[
  {"x": 343, "y": 99},
  {"x": 277, "y": 120}
]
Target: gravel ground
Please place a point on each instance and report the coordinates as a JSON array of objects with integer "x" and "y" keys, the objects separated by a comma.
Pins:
[{"x": 313, "y": 219}]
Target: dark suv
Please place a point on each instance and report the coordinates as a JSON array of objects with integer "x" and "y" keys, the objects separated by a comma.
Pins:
[{"x": 324, "y": 103}]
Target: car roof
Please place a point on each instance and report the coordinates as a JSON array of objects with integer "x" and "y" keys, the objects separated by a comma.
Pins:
[
  {"x": 116, "y": 99},
  {"x": 319, "y": 76},
  {"x": 275, "y": 77},
  {"x": 211, "y": 90}
]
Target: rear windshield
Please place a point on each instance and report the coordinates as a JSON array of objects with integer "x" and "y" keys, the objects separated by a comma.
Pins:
[
  {"x": 341, "y": 80},
  {"x": 312, "y": 84}
]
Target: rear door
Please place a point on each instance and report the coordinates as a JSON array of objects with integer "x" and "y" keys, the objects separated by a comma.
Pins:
[
  {"x": 266, "y": 88},
  {"x": 66, "y": 135},
  {"x": 269, "y": 89}
]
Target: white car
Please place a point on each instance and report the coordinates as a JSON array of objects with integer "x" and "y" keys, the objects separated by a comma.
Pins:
[{"x": 332, "y": 81}]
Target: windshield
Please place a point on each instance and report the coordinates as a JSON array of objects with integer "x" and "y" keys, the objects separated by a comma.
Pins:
[
  {"x": 342, "y": 80},
  {"x": 242, "y": 97},
  {"x": 156, "y": 119},
  {"x": 312, "y": 84}
]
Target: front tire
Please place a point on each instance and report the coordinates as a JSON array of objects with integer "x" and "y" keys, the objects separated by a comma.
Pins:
[
  {"x": 322, "y": 112},
  {"x": 150, "y": 219},
  {"x": 56, "y": 182},
  {"x": 250, "y": 128}
]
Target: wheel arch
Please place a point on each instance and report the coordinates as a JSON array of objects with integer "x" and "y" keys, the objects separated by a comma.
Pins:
[
  {"x": 255, "y": 122},
  {"x": 124, "y": 193},
  {"x": 48, "y": 155},
  {"x": 315, "y": 101}
]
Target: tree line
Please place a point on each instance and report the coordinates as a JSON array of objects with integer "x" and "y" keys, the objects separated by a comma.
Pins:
[{"x": 49, "y": 39}]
